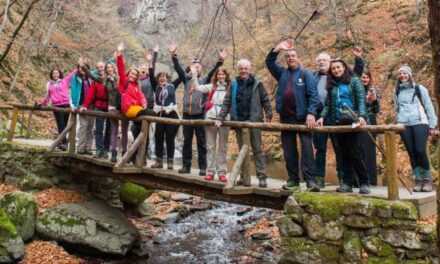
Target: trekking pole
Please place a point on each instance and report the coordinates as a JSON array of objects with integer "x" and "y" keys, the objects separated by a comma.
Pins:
[
  {"x": 314, "y": 14},
  {"x": 356, "y": 117}
]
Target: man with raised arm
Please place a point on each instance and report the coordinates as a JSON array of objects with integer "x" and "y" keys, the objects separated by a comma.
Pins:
[{"x": 297, "y": 102}]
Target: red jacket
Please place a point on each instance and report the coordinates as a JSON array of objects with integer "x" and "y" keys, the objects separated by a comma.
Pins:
[
  {"x": 97, "y": 96},
  {"x": 130, "y": 92}
]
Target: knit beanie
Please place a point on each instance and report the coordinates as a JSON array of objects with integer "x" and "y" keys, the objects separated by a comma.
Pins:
[{"x": 406, "y": 69}]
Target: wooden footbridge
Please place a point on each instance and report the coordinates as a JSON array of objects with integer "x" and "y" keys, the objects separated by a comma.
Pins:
[{"x": 139, "y": 172}]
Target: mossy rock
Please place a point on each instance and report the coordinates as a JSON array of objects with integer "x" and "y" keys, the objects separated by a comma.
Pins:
[
  {"x": 288, "y": 228},
  {"x": 352, "y": 247},
  {"x": 22, "y": 210},
  {"x": 11, "y": 244},
  {"x": 377, "y": 246},
  {"x": 302, "y": 250},
  {"x": 133, "y": 193},
  {"x": 404, "y": 210}
]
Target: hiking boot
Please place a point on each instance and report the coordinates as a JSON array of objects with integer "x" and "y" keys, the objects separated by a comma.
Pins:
[
  {"x": 202, "y": 173},
  {"x": 364, "y": 189},
  {"x": 320, "y": 181},
  {"x": 243, "y": 183},
  {"x": 157, "y": 165},
  {"x": 184, "y": 170},
  {"x": 292, "y": 186},
  {"x": 62, "y": 147},
  {"x": 262, "y": 182},
  {"x": 419, "y": 186},
  {"x": 209, "y": 176},
  {"x": 427, "y": 185},
  {"x": 344, "y": 188},
  {"x": 114, "y": 156},
  {"x": 170, "y": 164},
  {"x": 312, "y": 187}
]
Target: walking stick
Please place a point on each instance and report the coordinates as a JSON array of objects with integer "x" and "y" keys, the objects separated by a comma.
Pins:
[
  {"x": 314, "y": 14},
  {"x": 356, "y": 117}
]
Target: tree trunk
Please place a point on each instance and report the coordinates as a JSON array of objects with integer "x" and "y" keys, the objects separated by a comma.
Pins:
[
  {"x": 5, "y": 17},
  {"x": 434, "y": 31}
]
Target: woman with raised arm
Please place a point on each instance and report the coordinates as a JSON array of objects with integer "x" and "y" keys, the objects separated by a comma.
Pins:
[
  {"x": 164, "y": 106},
  {"x": 216, "y": 90},
  {"x": 414, "y": 109},
  {"x": 345, "y": 105},
  {"x": 58, "y": 95}
]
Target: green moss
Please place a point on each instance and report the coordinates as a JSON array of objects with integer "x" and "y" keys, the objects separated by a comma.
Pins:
[
  {"x": 133, "y": 194},
  {"x": 7, "y": 228},
  {"x": 378, "y": 246},
  {"x": 387, "y": 260},
  {"x": 57, "y": 219},
  {"x": 404, "y": 210},
  {"x": 326, "y": 252}
]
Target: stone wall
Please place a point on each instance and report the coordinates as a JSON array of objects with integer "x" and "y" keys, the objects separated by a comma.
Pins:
[{"x": 335, "y": 228}]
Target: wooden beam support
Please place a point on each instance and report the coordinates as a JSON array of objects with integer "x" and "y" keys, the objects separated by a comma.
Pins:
[
  {"x": 391, "y": 165},
  {"x": 72, "y": 133},
  {"x": 140, "y": 157},
  {"x": 130, "y": 152},
  {"x": 236, "y": 169},
  {"x": 246, "y": 167},
  {"x": 63, "y": 134},
  {"x": 13, "y": 124}
]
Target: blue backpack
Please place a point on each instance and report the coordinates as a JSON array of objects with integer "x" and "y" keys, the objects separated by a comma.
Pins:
[{"x": 344, "y": 105}]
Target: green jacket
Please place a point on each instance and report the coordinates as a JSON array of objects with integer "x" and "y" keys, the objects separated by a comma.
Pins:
[{"x": 358, "y": 97}]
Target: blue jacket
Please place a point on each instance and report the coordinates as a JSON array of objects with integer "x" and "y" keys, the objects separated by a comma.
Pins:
[
  {"x": 75, "y": 90},
  {"x": 306, "y": 93}
]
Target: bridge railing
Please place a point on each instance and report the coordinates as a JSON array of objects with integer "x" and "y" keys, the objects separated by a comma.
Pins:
[{"x": 242, "y": 163}]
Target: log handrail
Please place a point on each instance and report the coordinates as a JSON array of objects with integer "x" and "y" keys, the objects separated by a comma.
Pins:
[{"x": 233, "y": 124}]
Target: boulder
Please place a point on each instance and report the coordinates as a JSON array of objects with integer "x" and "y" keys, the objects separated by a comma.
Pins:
[
  {"x": 132, "y": 193},
  {"x": 352, "y": 247},
  {"x": 11, "y": 244},
  {"x": 376, "y": 246},
  {"x": 289, "y": 228},
  {"x": 91, "y": 225},
  {"x": 22, "y": 211},
  {"x": 402, "y": 238}
]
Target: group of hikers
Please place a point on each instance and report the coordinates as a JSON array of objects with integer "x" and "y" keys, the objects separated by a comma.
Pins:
[{"x": 333, "y": 94}]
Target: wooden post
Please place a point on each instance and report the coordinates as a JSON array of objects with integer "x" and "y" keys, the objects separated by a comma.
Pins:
[
  {"x": 29, "y": 124},
  {"x": 22, "y": 124},
  {"x": 72, "y": 134},
  {"x": 13, "y": 124},
  {"x": 391, "y": 163},
  {"x": 140, "y": 158},
  {"x": 245, "y": 169}
]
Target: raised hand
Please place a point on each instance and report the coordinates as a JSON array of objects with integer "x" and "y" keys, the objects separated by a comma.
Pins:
[
  {"x": 156, "y": 48},
  {"x": 284, "y": 45},
  {"x": 121, "y": 47},
  {"x": 148, "y": 56},
  {"x": 222, "y": 54},
  {"x": 357, "y": 51},
  {"x": 172, "y": 49},
  {"x": 81, "y": 61}
]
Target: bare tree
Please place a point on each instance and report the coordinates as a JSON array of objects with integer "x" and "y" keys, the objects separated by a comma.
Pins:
[
  {"x": 434, "y": 31},
  {"x": 5, "y": 17},
  {"x": 17, "y": 30}
]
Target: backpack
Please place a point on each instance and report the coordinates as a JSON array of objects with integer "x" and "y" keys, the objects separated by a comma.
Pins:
[{"x": 345, "y": 114}]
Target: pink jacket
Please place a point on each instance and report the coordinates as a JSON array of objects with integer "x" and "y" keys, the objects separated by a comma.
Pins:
[{"x": 58, "y": 91}]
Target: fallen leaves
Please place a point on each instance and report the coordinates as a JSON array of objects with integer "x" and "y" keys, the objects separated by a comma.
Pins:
[
  {"x": 55, "y": 196},
  {"x": 264, "y": 226},
  {"x": 42, "y": 252}
]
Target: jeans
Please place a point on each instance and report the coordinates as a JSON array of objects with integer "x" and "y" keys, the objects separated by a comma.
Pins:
[
  {"x": 188, "y": 132},
  {"x": 415, "y": 139},
  {"x": 217, "y": 160},
  {"x": 352, "y": 158},
  {"x": 100, "y": 133},
  {"x": 165, "y": 134},
  {"x": 61, "y": 120}
]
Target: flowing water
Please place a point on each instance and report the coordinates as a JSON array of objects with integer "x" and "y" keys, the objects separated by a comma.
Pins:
[{"x": 212, "y": 236}]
